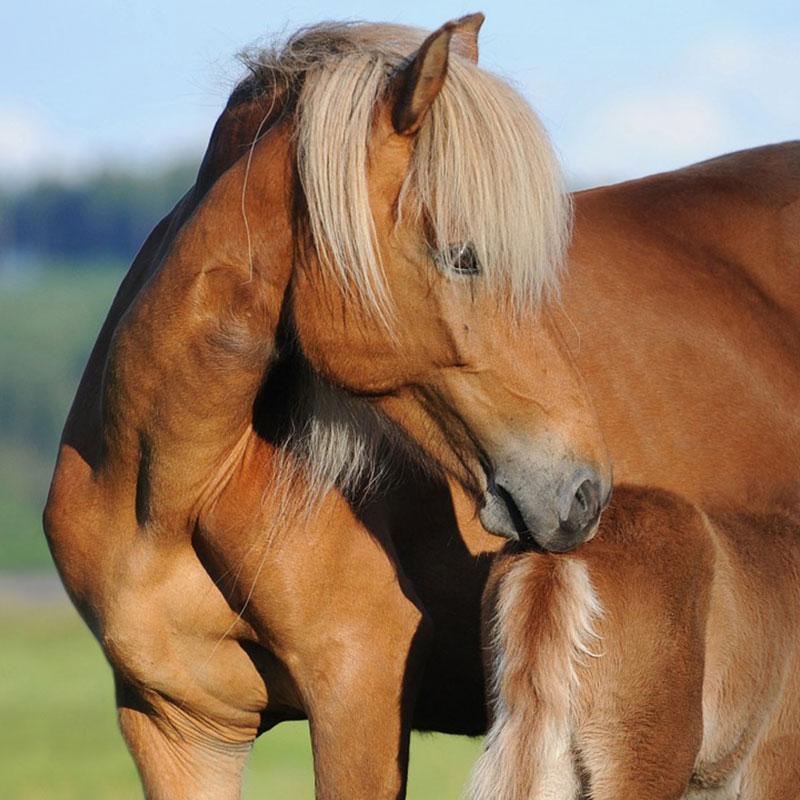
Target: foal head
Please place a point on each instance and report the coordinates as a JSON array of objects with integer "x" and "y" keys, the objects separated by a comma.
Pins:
[{"x": 430, "y": 225}]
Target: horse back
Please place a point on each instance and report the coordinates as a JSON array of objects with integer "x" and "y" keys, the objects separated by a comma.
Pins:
[
  {"x": 682, "y": 308},
  {"x": 737, "y": 214}
]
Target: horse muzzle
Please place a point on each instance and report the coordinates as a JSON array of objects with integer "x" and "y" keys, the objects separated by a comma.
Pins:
[{"x": 545, "y": 514}]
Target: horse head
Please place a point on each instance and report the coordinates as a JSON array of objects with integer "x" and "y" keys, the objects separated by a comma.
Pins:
[{"x": 429, "y": 224}]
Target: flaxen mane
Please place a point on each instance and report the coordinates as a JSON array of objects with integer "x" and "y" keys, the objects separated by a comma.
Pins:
[{"x": 482, "y": 171}]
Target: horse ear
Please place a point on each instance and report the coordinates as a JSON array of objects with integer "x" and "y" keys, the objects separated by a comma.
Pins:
[
  {"x": 418, "y": 84},
  {"x": 465, "y": 36}
]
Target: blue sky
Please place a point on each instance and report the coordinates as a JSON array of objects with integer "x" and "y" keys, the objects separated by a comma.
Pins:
[{"x": 625, "y": 88}]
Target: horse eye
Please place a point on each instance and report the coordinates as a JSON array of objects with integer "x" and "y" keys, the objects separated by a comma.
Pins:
[{"x": 461, "y": 259}]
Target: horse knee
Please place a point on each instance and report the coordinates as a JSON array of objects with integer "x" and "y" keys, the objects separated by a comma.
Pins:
[{"x": 181, "y": 754}]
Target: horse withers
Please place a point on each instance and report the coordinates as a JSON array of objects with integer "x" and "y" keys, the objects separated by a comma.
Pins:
[{"x": 658, "y": 661}]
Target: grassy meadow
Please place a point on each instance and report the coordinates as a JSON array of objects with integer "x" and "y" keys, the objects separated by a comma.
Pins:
[{"x": 58, "y": 737}]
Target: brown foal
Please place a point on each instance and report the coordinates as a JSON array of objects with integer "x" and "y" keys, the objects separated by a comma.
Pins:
[{"x": 659, "y": 661}]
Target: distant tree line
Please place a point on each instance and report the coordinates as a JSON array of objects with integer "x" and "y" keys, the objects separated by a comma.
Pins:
[{"x": 107, "y": 215}]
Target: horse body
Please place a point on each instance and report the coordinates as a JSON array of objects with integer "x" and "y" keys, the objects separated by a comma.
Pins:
[
  {"x": 258, "y": 361},
  {"x": 693, "y": 368},
  {"x": 207, "y": 513},
  {"x": 682, "y": 309},
  {"x": 659, "y": 661}
]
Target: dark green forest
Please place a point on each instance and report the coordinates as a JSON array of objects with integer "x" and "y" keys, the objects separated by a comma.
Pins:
[
  {"x": 107, "y": 215},
  {"x": 64, "y": 248}
]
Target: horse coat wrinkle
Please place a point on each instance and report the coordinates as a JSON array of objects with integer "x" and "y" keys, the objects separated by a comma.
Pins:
[{"x": 299, "y": 311}]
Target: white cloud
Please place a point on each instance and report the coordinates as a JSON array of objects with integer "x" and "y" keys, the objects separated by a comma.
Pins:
[
  {"x": 731, "y": 91},
  {"x": 672, "y": 123},
  {"x": 23, "y": 141},
  {"x": 755, "y": 80},
  {"x": 30, "y": 149},
  {"x": 728, "y": 54}
]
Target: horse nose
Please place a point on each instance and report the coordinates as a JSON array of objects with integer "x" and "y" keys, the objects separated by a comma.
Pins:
[
  {"x": 584, "y": 511},
  {"x": 554, "y": 515}
]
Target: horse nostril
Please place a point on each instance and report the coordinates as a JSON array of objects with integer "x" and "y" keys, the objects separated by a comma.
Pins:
[{"x": 585, "y": 508}]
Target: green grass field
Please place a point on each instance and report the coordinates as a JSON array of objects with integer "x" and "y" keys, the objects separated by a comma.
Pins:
[{"x": 59, "y": 739}]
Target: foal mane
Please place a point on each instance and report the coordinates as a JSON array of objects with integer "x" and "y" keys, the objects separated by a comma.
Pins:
[{"x": 482, "y": 169}]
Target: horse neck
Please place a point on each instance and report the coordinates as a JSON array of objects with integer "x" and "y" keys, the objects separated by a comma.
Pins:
[{"x": 191, "y": 351}]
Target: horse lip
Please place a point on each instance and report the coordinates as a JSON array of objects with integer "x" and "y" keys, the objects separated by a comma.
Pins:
[{"x": 523, "y": 532}]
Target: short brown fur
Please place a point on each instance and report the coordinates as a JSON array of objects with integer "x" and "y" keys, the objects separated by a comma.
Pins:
[{"x": 690, "y": 686}]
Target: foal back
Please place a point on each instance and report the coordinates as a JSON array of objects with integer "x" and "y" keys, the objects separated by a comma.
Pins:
[{"x": 658, "y": 661}]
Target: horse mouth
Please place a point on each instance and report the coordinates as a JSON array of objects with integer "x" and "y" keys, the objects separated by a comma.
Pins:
[
  {"x": 524, "y": 534},
  {"x": 501, "y": 516}
]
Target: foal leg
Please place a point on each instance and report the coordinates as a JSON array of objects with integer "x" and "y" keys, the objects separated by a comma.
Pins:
[
  {"x": 616, "y": 780},
  {"x": 180, "y": 756},
  {"x": 644, "y": 727},
  {"x": 642, "y": 740}
]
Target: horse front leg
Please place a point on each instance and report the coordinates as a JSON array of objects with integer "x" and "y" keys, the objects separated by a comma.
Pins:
[
  {"x": 360, "y": 717},
  {"x": 325, "y": 595},
  {"x": 180, "y": 755}
]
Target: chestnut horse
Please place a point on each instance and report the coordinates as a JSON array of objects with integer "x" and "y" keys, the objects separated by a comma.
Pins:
[
  {"x": 233, "y": 511},
  {"x": 662, "y": 660},
  {"x": 375, "y": 222}
]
